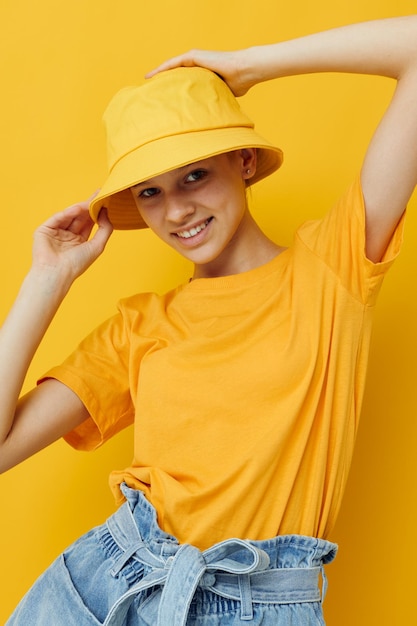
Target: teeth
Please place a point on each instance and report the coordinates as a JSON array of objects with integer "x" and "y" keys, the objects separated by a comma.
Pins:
[{"x": 193, "y": 231}]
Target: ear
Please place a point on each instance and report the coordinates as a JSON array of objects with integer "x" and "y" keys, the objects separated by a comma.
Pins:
[{"x": 248, "y": 162}]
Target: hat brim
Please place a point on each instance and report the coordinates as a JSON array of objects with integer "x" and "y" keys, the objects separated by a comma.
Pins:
[{"x": 168, "y": 153}]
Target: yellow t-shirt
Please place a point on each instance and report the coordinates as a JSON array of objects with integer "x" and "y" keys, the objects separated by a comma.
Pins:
[{"x": 245, "y": 390}]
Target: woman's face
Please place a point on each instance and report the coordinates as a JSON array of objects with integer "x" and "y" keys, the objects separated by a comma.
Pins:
[{"x": 200, "y": 209}]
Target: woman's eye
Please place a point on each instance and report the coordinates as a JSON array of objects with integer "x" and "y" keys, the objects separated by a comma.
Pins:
[
  {"x": 196, "y": 175},
  {"x": 148, "y": 193}
]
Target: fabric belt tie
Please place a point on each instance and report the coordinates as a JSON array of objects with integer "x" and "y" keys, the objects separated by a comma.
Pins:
[{"x": 218, "y": 569}]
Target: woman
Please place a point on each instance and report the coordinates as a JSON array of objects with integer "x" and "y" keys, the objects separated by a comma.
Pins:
[{"x": 245, "y": 384}]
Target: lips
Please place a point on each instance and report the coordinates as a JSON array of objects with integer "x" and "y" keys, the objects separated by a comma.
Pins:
[{"x": 186, "y": 234}]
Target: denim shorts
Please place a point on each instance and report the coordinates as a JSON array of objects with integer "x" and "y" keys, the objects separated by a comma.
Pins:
[{"x": 130, "y": 572}]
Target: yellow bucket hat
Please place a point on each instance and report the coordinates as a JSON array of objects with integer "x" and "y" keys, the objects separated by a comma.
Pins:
[{"x": 177, "y": 117}]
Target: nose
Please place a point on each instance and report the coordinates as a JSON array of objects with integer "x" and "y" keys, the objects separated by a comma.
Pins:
[{"x": 178, "y": 209}]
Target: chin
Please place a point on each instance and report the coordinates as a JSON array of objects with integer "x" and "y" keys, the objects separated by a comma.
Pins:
[{"x": 201, "y": 258}]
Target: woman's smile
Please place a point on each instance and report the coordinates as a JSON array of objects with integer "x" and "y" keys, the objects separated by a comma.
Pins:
[{"x": 190, "y": 236}]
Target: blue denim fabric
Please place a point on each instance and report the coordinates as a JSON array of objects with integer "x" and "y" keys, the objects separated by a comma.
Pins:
[{"x": 129, "y": 572}]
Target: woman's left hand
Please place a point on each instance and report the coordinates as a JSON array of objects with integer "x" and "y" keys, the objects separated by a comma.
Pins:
[{"x": 233, "y": 67}]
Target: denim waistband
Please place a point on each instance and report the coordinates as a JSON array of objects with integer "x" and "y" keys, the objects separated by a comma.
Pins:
[{"x": 236, "y": 569}]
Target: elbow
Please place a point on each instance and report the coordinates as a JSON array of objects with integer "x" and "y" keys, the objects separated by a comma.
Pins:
[{"x": 6, "y": 459}]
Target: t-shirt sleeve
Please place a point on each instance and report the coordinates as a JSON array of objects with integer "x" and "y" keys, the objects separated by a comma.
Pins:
[
  {"x": 339, "y": 241},
  {"x": 98, "y": 372}
]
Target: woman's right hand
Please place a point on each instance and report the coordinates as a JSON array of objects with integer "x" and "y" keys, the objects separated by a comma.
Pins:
[
  {"x": 63, "y": 249},
  {"x": 63, "y": 242}
]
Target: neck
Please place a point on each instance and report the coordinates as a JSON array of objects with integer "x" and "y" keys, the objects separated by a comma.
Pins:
[{"x": 242, "y": 254}]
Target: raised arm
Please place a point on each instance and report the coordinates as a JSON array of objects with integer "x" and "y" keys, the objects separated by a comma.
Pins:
[
  {"x": 62, "y": 251},
  {"x": 382, "y": 47}
]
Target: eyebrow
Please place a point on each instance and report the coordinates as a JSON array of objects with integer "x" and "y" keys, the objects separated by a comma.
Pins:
[
  {"x": 182, "y": 167},
  {"x": 143, "y": 182}
]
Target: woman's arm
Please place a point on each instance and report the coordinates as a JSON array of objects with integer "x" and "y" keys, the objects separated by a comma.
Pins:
[
  {"x": 62, "y": 251},
  {"x": 382, "y": 47}
]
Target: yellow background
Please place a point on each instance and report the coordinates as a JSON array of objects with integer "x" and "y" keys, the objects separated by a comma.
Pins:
[{"x": 61, "y": 63}]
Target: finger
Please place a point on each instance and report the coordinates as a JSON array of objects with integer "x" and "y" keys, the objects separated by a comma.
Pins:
[
  {"x": 103, "y": 218},
  {"x": 103, "y": 233},
  {"x": 182, "y": 60},
  {"x": 93, "y": 195},
  {"x": 78, "y": 220},
  {"x": 76, "y": 213},
  {"x": 61, "y": 220},
  {"x": 82, "y": 206}
]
